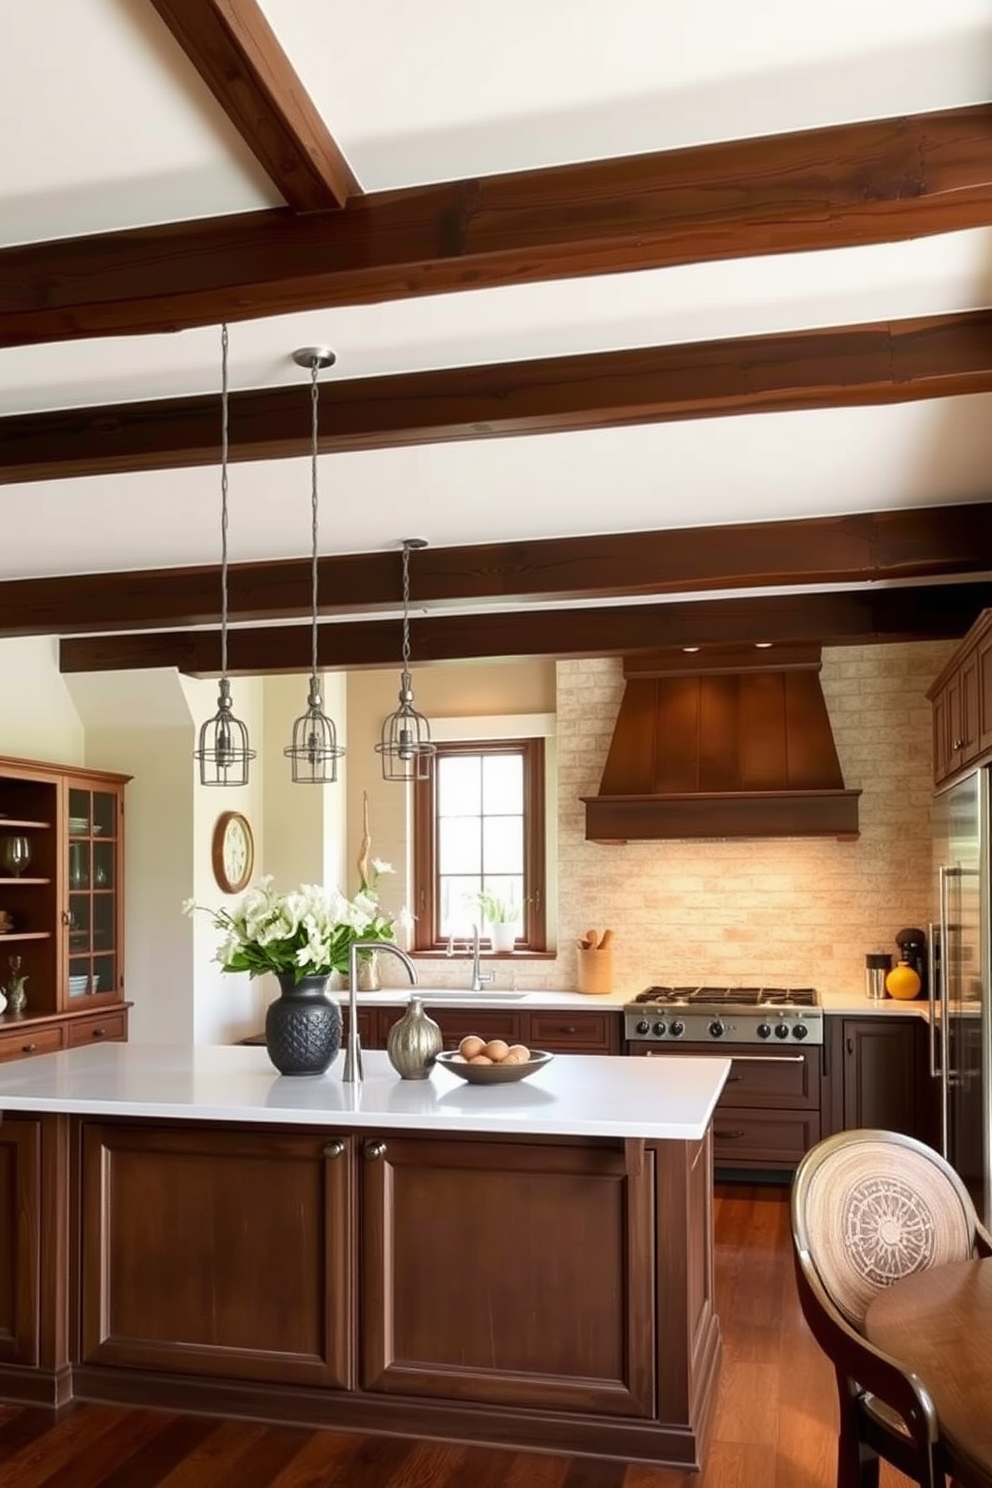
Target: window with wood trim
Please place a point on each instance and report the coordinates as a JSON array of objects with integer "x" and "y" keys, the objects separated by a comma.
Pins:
[{"x": 479, "y": 827}]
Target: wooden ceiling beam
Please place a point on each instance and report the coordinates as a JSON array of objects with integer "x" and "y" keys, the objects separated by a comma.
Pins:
[
  {"x": 917, "y": 543},
  {"x": 842, "y": 186},
  {"x": 840, "y": 366},
  {"x": 233, "y": 48},
  {"x": 940, "y": 612}
]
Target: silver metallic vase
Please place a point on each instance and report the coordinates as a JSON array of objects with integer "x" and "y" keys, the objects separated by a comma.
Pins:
[{"x": 414, "y": 1042}]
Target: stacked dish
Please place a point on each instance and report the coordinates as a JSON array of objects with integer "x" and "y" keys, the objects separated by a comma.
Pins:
[
  {"x": 80, "y": 984},
  {"x": 78, "y": 826}
]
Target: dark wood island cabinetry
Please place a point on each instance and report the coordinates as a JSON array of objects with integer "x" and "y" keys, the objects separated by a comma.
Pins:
[{"x": 417, "y": 1257}]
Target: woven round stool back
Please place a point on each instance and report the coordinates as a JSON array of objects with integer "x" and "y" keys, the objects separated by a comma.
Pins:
[{"x": 877, "y": 1210}]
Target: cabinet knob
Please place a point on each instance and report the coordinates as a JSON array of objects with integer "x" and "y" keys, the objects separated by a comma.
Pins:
[
  {"x": 957, "y": 744},
  {"x": 336, "y": 1148},
  {"x": 850, "y": 1046},
  {"x": 98, "y": 1033},
  {"x": 568, "y": 1028},
  {"x": 375, "y": 1150},
  {"x": 28, "y": 1048}
]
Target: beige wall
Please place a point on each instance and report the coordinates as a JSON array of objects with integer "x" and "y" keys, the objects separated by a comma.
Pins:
[{"x": 796, "y": 911}]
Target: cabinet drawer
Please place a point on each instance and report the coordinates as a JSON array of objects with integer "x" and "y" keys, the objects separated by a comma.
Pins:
[
  {"x": 490, "y": 1023},
  {"x": 766, "y": 1078},
  {"x": 762, "y": 1139},
  {"x": 574, "y": 1033},
  {"x": 28, "y": 1041},
  {"x": 106, "y": 1028}
]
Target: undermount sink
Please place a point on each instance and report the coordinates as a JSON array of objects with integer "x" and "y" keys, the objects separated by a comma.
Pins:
[{"x": 462, "y": 994}]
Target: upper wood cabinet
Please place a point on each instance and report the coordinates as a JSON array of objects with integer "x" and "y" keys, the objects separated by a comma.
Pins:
[
  {"x": 61, "y": 886},
  {"x": 962, "y": 703}
]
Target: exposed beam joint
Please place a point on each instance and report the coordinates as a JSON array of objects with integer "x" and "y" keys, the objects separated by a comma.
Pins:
[
  {"x": 232, "y": 47},
  {"x": 883, "y": 362},
  {"x": 881, "y": 181}
]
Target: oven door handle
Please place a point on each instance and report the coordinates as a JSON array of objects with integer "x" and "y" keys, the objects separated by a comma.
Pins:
[{"x": 769, "y": 1058}]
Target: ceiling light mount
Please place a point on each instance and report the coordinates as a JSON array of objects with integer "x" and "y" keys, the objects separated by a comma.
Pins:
[
  {"x": 405, "y": 744},
  {"x": 223, "y": 750},
  {"x": 315, "y": 751}
]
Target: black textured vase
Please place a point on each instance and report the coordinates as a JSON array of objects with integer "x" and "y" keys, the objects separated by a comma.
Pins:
[{"x": 302, "y": 1026}]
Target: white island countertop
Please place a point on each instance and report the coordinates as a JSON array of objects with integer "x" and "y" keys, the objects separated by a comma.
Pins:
[{"x": 590, "y": 1095}]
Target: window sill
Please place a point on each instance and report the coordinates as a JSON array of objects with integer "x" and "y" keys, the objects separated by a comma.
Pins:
[{"x": 466, "y": 955}]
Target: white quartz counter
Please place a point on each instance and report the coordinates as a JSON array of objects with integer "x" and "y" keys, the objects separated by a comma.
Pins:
[
  {"x": 573, "y": 1095},
  {"x": 849, "y": 1003}
]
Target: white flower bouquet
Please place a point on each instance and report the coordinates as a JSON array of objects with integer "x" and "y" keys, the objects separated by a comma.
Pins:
[{"x": 307, "y": 932}]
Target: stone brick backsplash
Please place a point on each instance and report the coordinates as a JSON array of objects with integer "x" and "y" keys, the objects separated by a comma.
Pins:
[
  {"x": 787, "y": 911},
  {"x": 791, "y": 911}
]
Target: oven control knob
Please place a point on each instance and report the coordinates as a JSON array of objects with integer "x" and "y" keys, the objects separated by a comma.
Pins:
[
  {"x": 764, "y": 1030},
  {"x": 659, "y": 1029},
  {"x": 677, "y": 1029},
  {"x": 800, "y": 1031},
  {"x": 643, "y": 1027},
  {"x": 717, "y": 1030},
  {"x": 781, "y": 1030}
]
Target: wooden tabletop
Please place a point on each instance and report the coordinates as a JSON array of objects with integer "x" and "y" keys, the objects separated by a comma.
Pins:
[{"x": 939, "y": 1324}]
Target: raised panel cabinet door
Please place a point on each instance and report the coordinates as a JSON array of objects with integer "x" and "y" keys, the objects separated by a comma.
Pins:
[
  {"x": 218, "y": 1253},
  {"x": 885, "y": 1075},
  {"x": 969, "y": 736},
  {"x": 985, "y": 693},
  {"x": 574, "y": 1033},
  {"x": 20, "y": 1241},
  {"x": 508, "y": 1273}
]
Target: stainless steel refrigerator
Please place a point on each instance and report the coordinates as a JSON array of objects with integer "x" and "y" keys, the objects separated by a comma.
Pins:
[{"x": 960, "y": 995}]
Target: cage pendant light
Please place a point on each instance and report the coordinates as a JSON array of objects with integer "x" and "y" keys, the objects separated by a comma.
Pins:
[
  {"x": 315, "y": 751},
  {"x": 223, "y": 751},
  {"x": 405, "y": 746}
]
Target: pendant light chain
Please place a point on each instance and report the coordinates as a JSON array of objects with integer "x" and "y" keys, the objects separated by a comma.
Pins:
[
  {"x": 406, "y": 607},
  {"x": 315, "y": 751},
  {"x": 223, "y": 751},
  {"x": 405, "y": 743},
  {"x": 314, "y": 396},
  {"x": 224, "y": 446}
]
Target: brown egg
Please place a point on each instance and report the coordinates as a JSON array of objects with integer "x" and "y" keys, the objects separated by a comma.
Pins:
[
  {"x": 480, "y": 1059},
  {"x": 519, "y": 1053},
  {"x": 471, "y": 1045},
  {"x": 512, "y": 1058},
  {"x": 497, "y": 1050}
]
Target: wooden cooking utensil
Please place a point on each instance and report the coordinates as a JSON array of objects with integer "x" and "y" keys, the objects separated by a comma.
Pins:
[{"x": 592, "y": 936}]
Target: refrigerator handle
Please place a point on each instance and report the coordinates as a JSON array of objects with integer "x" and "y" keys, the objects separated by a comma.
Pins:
[
  {"x": 936, "y": 1071},
  {"x": 942, "y": 875}
]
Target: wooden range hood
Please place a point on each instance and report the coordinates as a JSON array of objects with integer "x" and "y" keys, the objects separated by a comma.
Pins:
[{"x": 734, "y": 742}]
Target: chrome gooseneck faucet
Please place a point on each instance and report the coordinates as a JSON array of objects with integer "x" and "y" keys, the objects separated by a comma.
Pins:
[
  {"x": 480, "y": 978},
  {"x": 353, "y": 1072}
]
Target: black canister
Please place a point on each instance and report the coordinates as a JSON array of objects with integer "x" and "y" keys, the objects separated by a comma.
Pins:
[{"x": 913, "y": 951}]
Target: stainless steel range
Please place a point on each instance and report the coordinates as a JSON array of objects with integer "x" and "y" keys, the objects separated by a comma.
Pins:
[{"x": 729, "y": 1015}]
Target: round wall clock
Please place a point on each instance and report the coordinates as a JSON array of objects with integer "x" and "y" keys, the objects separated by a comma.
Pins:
[{"x": 233, "y": 851}]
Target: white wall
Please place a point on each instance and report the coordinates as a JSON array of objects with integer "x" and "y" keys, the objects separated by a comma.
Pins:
[{"x": 38, "y": 720}]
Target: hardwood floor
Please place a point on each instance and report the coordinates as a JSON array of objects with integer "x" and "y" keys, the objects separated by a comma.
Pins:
[{"x": 775, "y": 1421}]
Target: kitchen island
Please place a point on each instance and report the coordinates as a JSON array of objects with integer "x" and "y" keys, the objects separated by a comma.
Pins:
[{"x": 528, "y": 1265}]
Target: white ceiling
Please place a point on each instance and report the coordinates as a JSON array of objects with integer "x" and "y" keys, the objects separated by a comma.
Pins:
[{"x": 113, "y": 129}]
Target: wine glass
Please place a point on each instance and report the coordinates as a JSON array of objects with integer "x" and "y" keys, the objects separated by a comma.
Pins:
[{"x": 15, "y": 854}]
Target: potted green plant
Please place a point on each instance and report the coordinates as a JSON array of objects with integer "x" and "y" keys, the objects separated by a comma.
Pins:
[{"x": 502, "y": 916}]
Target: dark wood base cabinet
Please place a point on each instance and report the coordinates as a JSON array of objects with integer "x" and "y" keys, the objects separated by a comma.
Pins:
[
  {"x": 769, "y": 1112},
  {"x": 551, "y": 1293}
]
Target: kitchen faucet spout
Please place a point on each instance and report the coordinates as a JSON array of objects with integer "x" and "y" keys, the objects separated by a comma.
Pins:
[
  {"x": 480, "y": 978},
  {"x": 353, "y": 1072}
]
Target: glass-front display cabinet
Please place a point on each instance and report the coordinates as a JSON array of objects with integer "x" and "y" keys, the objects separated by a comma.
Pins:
[{"x": 61, "y": 894}]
